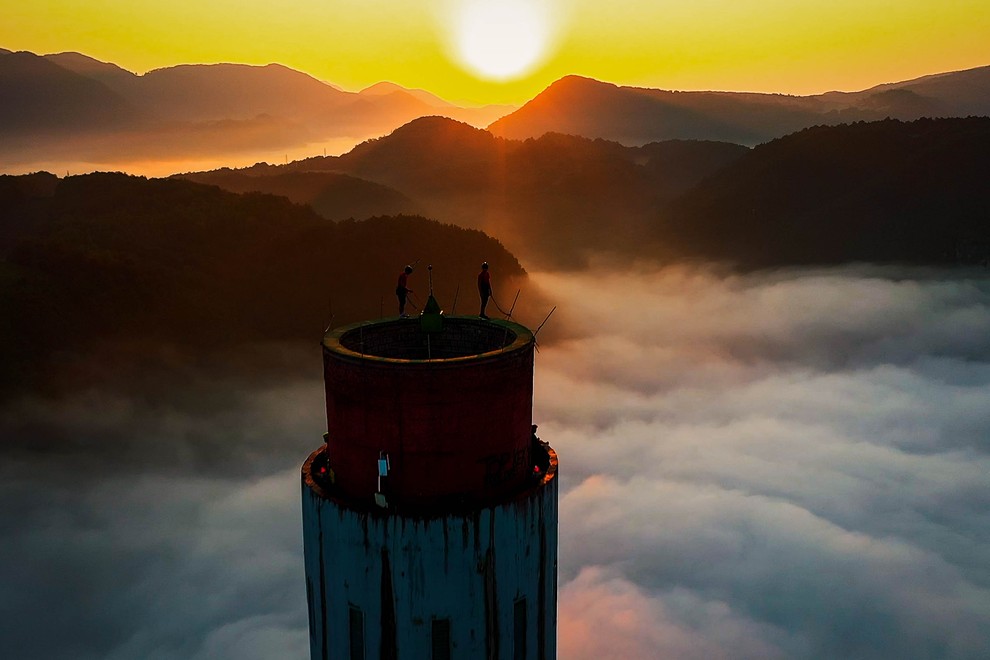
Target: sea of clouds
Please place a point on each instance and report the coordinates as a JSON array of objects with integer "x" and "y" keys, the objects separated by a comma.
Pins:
[
  {"x": 792, "y": 464},
  {"x": 783, "y": 465}
]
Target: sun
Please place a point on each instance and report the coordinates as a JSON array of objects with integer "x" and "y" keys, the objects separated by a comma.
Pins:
[{"x": 501, "y": 39}]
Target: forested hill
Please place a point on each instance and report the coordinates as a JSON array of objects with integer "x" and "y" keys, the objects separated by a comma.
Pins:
[
  {"x": 889, "y": 191},
  {"x": 333, "y": 195},
  {"x": 108, "y": 259},
  {"x": 554, "y": 200}
]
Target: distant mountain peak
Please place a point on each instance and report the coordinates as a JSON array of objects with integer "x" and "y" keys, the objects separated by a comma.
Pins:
[
  {"x": 436, "y": 125},
  {"x": 437, "y": 120},
  {"x": 574, "y": 82},
  {"x": 380, "y": 88},
  {"x": 385, "y": 88},
  {"x": 86, "y": 65},
  {"x": 42, "y": 97},
  {"x": 73, "y": 55},
  {"x": 576, "y": 79}
]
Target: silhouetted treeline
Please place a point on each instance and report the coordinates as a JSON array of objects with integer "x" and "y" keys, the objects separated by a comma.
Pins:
[
  {"x": 93, "y": 260},
  {"x": 885, "y": 191}
]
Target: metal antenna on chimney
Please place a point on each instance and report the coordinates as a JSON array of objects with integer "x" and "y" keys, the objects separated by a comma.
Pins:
[
  {"x": 536, "y": 344},
  {"x": 537, "y": 331},
  {"x": 508, "y": 315}
]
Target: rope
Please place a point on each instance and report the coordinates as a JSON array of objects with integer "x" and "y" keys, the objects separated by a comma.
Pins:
[{"x": 497, "y": 306}]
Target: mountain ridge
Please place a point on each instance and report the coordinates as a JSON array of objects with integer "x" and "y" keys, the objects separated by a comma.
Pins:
[
  {"x": 51, "y": 98},
  {"x": 558, "y": 199},
  {"x": 272, "y": 107},
  {"x": 112, "y": 114},
  {"x": 638, "y": 115},
  {"x": 547, "y": 199}
]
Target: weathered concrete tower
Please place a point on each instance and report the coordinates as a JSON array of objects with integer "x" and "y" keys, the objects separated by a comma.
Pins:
[{"x": 430, "y": 513}]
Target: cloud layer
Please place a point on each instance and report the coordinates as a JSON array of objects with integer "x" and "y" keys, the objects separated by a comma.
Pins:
[
  {"x": 780, "y": 465},
  {"x": 791, "y": 464}
]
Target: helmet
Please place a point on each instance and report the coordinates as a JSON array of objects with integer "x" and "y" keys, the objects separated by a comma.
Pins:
[
  {"x": 484, "y": 266},
  {"x": 408, "y": 269}
]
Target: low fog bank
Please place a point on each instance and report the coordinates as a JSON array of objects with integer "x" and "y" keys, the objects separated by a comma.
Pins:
[
  {"x": 793, "y": 464},
  {"x": 781, "y": 465},
  {"x": 137, "y": 407},
  {"x": 146, "y": 565},
  {"x": 161, "y": 523}
]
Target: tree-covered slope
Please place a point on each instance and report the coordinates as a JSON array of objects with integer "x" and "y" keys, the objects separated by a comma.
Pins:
[
  {"x": 886, "y": 191},
  {"x": 104, "y": 258}
]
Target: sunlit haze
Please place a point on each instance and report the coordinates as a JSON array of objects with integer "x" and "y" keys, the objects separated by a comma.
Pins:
[{"x": 769, "y": 45}]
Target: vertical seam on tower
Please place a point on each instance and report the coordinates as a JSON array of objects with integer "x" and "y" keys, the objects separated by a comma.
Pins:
[
  {"x": 323, "y": 584},
  {"x": 388, "y": 642},
  {"x": 491, "y": 592},
  {"x": 541, "y": 596}
]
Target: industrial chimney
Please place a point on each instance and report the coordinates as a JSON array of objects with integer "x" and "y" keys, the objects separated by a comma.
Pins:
[{"x": 430, "y": 513}]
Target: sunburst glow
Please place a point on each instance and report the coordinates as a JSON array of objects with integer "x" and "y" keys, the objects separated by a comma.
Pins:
[{"x": 501, "y": 39}]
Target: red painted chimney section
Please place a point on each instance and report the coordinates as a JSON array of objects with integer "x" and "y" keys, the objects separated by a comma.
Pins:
[{"x": 452, "y": 410}]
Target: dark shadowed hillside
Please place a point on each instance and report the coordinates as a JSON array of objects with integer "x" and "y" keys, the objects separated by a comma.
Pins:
[
  {"x": 635, "y": 116},
  {"x": 111, "y": 75},
  {"x": 552, "y": 200},
  {"x": 333, "y": 195},
  {"x": 435, "y": 155},
  {"x": 430, "y": 155},
  {"x": 880, "y": 192},
  {"x": 109, "y": 260},
  {"x": 40, "y": 97}
]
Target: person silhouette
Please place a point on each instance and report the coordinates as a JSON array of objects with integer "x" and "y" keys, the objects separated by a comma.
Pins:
[
  {"x": 484, "y": 288},
  {"x": 401, "y": 289}
]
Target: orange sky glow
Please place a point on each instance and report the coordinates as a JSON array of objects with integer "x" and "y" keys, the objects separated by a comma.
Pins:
[{"x": 759, "y": 45}]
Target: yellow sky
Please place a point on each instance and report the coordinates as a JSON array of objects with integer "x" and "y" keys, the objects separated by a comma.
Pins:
[{"x": 789, "y": 46}]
